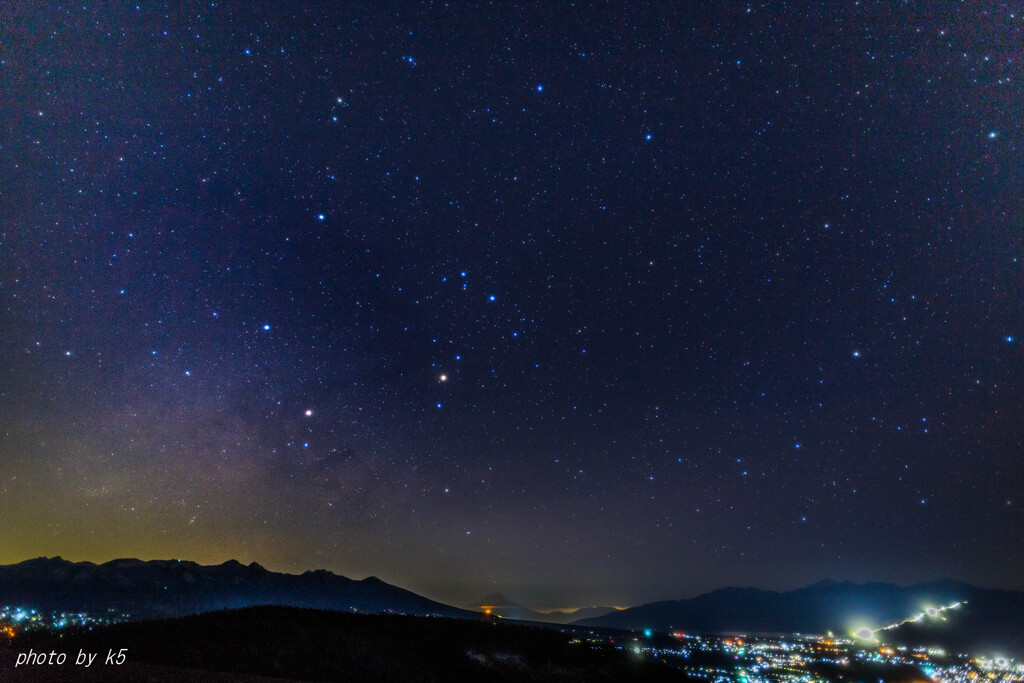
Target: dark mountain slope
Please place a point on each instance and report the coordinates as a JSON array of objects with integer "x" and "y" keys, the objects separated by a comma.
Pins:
[
  {"x": 989, "y": 619},
  {"x": 172, "y": 587}
]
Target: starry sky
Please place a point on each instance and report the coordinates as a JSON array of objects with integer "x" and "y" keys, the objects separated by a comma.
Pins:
[{"x": 589, "y": 305}]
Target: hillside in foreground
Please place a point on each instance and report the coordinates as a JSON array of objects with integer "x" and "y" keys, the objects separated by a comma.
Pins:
[{"x": 274, "y": 643}]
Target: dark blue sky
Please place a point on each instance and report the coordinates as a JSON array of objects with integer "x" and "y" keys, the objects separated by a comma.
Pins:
[{"x": 586, "y": 305}]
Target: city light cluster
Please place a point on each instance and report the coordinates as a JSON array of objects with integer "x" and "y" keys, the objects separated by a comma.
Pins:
[
  {"x": 806, "y": 659},
  {"x": 14, "y": 620}
]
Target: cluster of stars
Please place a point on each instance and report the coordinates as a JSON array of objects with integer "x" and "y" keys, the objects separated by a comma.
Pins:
[{"x": 667, "y": 289}]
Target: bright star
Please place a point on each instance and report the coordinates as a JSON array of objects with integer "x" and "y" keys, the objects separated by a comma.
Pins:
[
  {"x": 266, "y": 328},
  {"x": 443, "y": 378},
  {"x": 309, "y": 413}
]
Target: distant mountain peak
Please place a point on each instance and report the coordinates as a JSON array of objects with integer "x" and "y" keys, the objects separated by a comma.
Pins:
[
  {"x": 494, "y": 600},
  {"x": 56, "y": 559},
  {"x": 827, "y": 605},
  {"x": 174, "y": 587}
]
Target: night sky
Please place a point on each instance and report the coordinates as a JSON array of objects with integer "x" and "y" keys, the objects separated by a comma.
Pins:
[{"x": 588, "y": 305}]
